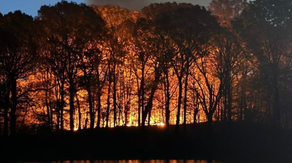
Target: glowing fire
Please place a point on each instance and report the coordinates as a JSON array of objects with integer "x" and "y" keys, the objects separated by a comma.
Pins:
[
  {"x": 127, "y": 101},
  {"x": 161, "y": 124}
]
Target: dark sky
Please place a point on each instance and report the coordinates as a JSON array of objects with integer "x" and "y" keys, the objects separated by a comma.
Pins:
[{"x": 139, "y": 4}]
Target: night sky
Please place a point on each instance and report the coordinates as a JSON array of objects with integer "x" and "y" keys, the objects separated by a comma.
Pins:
[{"x": 32, "y": 6}]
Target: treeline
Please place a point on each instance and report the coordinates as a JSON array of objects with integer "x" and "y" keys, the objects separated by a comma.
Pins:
[{"x": 76, "y": 66}]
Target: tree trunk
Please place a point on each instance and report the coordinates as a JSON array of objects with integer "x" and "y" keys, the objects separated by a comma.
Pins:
[
  {"x": 225, "y": 105},
  {"x": 186, "y": 94},
  {"x": 223, "y": 113},
  {"x": 149, "y": 117},
  {"x": 91, "y": 113},
  {"x": 98, "y": 109},
  {"x": 142, "y": 94},
  {"x": 115, "y": 95},
  {"x": 79, "y": 113},
  {"x": 126, "y": 114},
  {"x": 71, "y": 101},
  {"x": 98, "y": 99},
  {"x": 48, "y": 111},
  {"x": 179, "y": 102},
  {"x": 47, "y": 102},
  {"x": 14, "y": 106},
  {"x": 58, "y": 116},
  {"x": 108, "y": 101},
  {"x": 210, "y": 119},
  {"x": 196, "y": 110},
  {"x": 139, "y": 103},
  {"x": 229, "y": 98},
  {"x": 149, "y": 105},
  {"x": 243, "y": 96},
  {"x": 6, "y": 107},
  {"x": 167, "y": 99},
  {"x": 62, "y": 104},
  {"x": 276, "y": 108}
]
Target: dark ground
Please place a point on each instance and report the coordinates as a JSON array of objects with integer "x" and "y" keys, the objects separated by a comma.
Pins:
[{"x": 231, "y": 142}]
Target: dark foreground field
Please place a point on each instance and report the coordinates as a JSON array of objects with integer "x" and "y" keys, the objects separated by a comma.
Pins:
[{"x": 232, "y": 142}]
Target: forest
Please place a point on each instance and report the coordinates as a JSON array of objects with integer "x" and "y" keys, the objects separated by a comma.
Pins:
[{"x": 75, "y": 67}]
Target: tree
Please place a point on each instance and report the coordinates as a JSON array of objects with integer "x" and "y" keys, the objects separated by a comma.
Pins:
[
  {"x": 265, "y": 28},
  {"x": 117, "y": 45},
  {"x": 70, "y": 32},
  {"x": 18, "y": 57},
  {"x": 229, "y": 56},
  {"x": 4, "y": 90},
  {"x": 91, "y": 58},
  {"x": 208, "y": 85},
  {"x": 189, "y": 27},
  {"x": 144, "y": 56},
  {"x": 227, "y": 10}
]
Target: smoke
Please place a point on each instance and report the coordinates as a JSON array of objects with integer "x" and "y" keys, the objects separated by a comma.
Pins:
[{"x": 139, "y": 4}]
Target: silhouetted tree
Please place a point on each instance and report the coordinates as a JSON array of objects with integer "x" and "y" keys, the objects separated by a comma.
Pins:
[
  {"x": 116, "y": 47},
  {"x": 18, "y": 57},
  {"x": 70, "y": 31},
  {"x": 265, "y": 27},
  {"x": 91, "y": 56},
  {"x": 190, "y": 28}
]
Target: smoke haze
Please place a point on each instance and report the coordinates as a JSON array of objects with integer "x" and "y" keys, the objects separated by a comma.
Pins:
[{"x": 139, "y": 4}]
